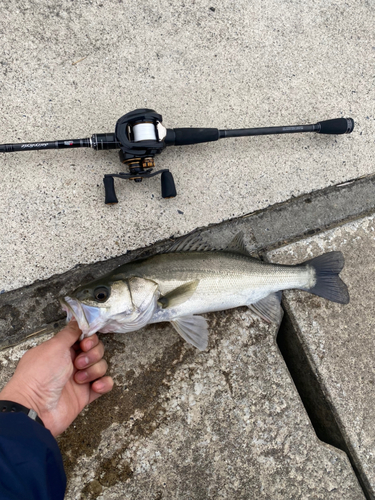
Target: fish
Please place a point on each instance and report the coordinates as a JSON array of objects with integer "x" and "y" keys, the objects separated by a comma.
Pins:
[{"x": 192, "y": 278}]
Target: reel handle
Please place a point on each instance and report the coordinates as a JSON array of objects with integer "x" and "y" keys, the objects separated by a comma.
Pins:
[
  {"x": 110, "y": 194},
  {"x": 168, "y": 188}
]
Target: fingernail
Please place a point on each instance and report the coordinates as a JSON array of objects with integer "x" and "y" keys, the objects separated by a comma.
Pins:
[
  {"x": 82, "y": 362},
  {"x": 99, "y": 386},
  {"x": 81, "y": 376},
  {"x": 89, "y": 345}
]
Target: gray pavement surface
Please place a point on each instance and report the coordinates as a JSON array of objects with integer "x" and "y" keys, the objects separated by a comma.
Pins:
[
  {"x": 229, "y": 422},
  {"x": 339, "y": 341},
  {"x": 71, "y": 69},
  {"x": 175, "y": 412},
  {"x": 180, "y": 424}
]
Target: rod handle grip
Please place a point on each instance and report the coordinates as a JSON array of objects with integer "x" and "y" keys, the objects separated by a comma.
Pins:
[
  {"x": 336, "y": 126},
  {"x": 186, "y": 136},
  {"x": 110, "y": 194}
]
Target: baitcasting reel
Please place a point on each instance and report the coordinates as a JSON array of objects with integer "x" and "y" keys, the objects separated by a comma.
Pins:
[{"x": 140, "y": 135}]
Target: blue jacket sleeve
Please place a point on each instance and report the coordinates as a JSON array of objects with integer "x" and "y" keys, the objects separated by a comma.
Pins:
[{"x": 31, "y": 465}]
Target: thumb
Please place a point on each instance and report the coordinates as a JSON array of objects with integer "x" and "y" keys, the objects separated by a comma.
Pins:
[{"x": 70, "y": 334}]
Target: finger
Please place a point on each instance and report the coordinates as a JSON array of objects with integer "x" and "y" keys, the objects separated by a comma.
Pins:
[
  {"x": 89, "y": 342},
  {"x": 92, "y": 372},
  {"x": 100, "y": 387},
  {"x": 86, "y": 359},
  {"x": 69, "y": 335},
  {"x": 103, "y": 385}
]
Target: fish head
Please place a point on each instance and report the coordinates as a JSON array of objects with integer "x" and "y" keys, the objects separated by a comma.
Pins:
[{"x": 107, "y": 305}]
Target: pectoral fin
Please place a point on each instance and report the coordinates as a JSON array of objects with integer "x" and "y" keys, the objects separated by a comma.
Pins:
[
  {"x": 193, "y": 329},
  {"x": 178, "y": 295},
  {"x": 269, "y": 308}
]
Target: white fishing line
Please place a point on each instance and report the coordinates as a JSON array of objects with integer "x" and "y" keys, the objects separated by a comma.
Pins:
[{"x": 144, "y": 132}]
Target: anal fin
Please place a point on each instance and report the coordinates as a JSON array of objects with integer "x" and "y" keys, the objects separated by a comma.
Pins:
[{"x": 269, "y": 308}]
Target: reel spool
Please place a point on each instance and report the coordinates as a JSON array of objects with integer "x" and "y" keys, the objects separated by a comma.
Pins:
[{"x": 144, "y": 132}]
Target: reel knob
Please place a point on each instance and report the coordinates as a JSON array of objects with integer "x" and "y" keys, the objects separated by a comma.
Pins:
[
  {"x": 109, "y": 186},
  {"x": 168, "y": 188}
]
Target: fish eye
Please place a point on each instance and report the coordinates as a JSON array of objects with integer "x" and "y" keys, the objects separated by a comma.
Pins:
[{"x": 101, "y": 293}]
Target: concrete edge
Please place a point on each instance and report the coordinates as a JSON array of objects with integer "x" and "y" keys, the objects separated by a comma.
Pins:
[{"x": 35, "y": 307}]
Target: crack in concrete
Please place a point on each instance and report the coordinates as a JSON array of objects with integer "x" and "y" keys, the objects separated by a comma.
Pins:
[{"x": 322, "y": 414}]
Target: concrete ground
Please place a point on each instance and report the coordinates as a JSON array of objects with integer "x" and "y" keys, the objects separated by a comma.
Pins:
[
  {"x": 71, "y": 69},
  {"x": 251, "y": 417}
]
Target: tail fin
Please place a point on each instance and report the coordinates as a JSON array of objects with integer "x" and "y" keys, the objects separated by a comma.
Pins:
[{"x": 328, "y": 283}]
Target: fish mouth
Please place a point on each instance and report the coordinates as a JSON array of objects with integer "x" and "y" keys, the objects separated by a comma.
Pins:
[{"x": 87, "y": 317}]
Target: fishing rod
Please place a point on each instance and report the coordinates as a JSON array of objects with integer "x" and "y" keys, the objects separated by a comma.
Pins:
[{"x": 140, "y": 135}]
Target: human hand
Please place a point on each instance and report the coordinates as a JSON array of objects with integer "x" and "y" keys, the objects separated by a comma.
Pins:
[{"x": 60, "y": 377}]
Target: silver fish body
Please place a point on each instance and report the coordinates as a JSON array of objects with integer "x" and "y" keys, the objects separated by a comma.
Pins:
[
  {"x": 180, "y": 285},
  {"x": 225, "y": 280}
]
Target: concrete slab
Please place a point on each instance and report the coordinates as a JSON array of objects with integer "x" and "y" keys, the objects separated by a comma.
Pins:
[
  {"x": 71, "y": 69},
  {"x": 179, "y": 424},
  {"x": 338, "y": 341}
]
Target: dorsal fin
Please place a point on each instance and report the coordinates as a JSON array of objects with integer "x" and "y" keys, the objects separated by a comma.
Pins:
[
  {"x": 190, "y": 243},
  {"x": 195, "y": 243},
  {"x": 237, "y": 245}
]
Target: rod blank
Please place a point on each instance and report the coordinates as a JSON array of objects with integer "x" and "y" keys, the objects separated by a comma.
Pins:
[
  {"x": 335, "y": 126},
  {"x": 31, "y": 146}
]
